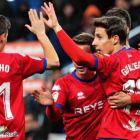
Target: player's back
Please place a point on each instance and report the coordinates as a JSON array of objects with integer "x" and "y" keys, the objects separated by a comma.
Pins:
[
  {"x": 11, "y": 108},
  {"x": 122, "y": 123},
  {"x": 13, "y": 69},
  {"x": 82, "y": 107}
]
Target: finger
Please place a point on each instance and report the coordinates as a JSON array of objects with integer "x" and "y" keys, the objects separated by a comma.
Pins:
[
  {"x": 139, "y": 44},
  {"x": 37, "y": 91},
  {"x": 29, "y": 14},
  {"x": 41, "y": 16},
  {"x": 37, "y": 101},
  {"x": 35, "y": 15},
  {"x": 51, "y": 7},
  {"x": 35, "y": 95},
  {"x": 32, "y": 15},
  {"x": 47, "y": 7},
  {"x": 27, "y": 26},
  {"x": 138, "y": 48},
  {"x": 46, "y": 11},
  {"x": 43, "y": 88},
  {"x": 116, "y": 93},
  {"x": 114, "y": 106},
  {"x": 113, "y": 98}
]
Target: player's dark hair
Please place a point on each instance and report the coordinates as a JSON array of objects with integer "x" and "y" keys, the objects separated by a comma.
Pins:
[
  {"x": 113, "y": 26},
  {"x": 4, "y": 25},
  {"x": 84, "y": 39},
  {"x": 121, "y": 13}
]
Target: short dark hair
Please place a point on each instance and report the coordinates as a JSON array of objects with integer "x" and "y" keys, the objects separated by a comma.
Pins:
[
  {"x": 4, "y": 25},
  {"x": 84, "y": 39},
  {"x": 121, "y": 13},
  {"x": 113, "y": 26}
]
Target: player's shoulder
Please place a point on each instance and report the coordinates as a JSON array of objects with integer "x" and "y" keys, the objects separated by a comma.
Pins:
[
  {"x": 63, "y": 83},
  {"x": 66, "y": 79}
]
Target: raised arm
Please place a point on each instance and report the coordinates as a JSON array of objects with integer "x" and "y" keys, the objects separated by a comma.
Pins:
[
  {"x": 38, "y": 28},
  {"x": 74, "y": 52}
]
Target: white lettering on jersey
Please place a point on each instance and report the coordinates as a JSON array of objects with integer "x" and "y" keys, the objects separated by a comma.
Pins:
[
  {"x": 55, "y": 96},
  {"x": 4, "y": 68},
  {"x": 80, "y": 95},
  {"x": 56, "y": 87},
  {"x": 36, "y": 58},
  {"x": 130, "y": 67},
  {"x": 88, "y": 108},
  {"x": 22, "y": 54}
]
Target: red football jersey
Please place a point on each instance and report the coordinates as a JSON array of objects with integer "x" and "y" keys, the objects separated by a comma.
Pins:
[
  {"x": 14, "y": 68},
  {"x": 120, "y": 72},
  {"x": 81, "y": 102}
]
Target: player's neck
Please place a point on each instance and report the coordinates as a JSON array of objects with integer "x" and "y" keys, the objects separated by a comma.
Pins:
[
  {"x": 117, "y": 48},
  {"x": 127, "y": 44},
  {"x": 88, "y": 76}
]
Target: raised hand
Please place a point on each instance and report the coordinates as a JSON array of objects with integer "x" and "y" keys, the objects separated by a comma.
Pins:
[
  {"x": 52, "y": 21},
  {"x": 43, "y": 97},
  {"x": 37, "y": 24}
]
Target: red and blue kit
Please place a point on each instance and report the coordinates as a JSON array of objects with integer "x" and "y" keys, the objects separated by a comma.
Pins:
[
  {"x": 13, "y": 69},
  {"x": 81, "y": 104},
  {"x": 119, "y": 72}
]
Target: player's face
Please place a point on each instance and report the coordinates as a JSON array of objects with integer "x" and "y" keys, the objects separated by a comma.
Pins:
[
  {"x": 81, "y": 70},
  {"x": 101, "y": 42},
  {"x": 4, "y": 40}
]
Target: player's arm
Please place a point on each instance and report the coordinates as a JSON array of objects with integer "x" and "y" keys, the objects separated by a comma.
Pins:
[
  {"x": 45, "y": 98},
  {"x": 121, "y": 99},
  {"x": 38, "y": 28},
  {"x": 76, "y": 54}
]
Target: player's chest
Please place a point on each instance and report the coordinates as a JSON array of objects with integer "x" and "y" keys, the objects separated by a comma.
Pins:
[{"x": 84, "y": 94}]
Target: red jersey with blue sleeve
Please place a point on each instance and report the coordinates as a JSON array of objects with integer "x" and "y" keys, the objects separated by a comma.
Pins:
[
  {"x": 81, "y": 102},
  {"x": 121, "y": 72},
  {"x": 13, "y": 69}
]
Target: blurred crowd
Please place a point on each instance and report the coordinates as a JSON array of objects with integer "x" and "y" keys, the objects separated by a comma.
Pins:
[{"x": 75, "y": 16}]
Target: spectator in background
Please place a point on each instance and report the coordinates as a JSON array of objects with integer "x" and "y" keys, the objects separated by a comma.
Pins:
[
  {"x": 125, "y": 4},
  {"x": 56, "y": 74},
  {"x": 18, "y": 22},
  {"x": 37, "y": 125},
  {"x": 5, "y": 8},
  {"x": 90, "y": 13},
  {"x": 135, "y": 13},
  {"x": 70, "y": 18}
]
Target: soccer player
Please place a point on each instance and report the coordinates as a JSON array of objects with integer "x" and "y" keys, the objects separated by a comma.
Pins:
[
  {"x": 77, "y": 97},
  {"x": 120, "y": 99},
  {"x": 119, "y": 72},
  {"x": 16, "y": 67}
]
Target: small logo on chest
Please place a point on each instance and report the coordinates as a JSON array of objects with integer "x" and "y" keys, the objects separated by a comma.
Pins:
[{"x": 80, "y": 95}]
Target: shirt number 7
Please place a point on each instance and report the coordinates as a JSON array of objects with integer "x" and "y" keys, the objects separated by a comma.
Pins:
[{"x": 5, "y": 91}]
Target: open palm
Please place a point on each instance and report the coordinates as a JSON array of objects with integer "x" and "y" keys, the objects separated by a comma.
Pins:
[
  {"x": 43, "y": 97},
  {"x": 52, "y": 21}
]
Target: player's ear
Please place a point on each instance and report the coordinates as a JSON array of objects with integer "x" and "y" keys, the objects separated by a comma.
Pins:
[
  {"x": 2, "y": 37},
  {"x": 127, "y": 30},
  {"x": 115, "y": 39}
]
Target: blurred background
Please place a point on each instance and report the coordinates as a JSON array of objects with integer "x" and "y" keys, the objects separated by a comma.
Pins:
[{"x": 75, "y": 16}]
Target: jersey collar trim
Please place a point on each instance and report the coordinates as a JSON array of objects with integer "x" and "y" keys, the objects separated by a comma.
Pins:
[
  {"x": 120, "y": 50},
  {"x": 85, "y": 81}
]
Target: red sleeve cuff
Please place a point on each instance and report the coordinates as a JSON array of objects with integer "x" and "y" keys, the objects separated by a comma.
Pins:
[{"x": 135, "y": 98}]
